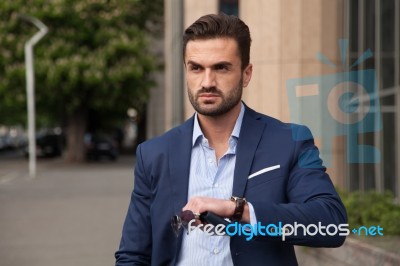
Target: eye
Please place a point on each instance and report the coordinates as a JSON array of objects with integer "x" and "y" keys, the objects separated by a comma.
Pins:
[
  {"x": 221, "y": 67},
  {"x": 195, "y": 68}
]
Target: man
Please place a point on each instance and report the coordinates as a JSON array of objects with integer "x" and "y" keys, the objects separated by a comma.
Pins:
[{"x": 226, "y": 149}]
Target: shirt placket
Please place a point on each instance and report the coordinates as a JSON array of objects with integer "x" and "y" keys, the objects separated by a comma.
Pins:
[{"x": 215, "y": 173}]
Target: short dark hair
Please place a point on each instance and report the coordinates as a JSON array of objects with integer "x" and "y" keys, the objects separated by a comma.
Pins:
[{"x": 221, "y": 26}]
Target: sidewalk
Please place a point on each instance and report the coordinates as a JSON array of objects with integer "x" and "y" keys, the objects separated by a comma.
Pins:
[{"x": 68, "y": 215}]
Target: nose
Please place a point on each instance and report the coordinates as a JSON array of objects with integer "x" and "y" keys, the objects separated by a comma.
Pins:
[{"x": 208, "y": 80}]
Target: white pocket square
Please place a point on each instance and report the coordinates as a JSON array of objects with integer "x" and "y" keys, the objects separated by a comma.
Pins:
[{"x": 262, "y": 171}]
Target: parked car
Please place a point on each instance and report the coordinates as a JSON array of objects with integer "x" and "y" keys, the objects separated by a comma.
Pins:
[
  {"x": 47, "y": 145},
  {"x": 17, "y": 137},
  {"x": 100, "y": 146},
  {"x": 3, "y": 142}
]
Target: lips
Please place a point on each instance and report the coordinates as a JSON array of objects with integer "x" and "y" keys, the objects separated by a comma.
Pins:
[{"x": 208, "y": 95}]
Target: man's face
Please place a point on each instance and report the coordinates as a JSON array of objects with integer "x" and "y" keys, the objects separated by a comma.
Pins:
[{"x": 214, "y": 77}]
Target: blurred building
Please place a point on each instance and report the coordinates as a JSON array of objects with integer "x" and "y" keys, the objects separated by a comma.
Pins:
[{"x": 287, "y": 35}]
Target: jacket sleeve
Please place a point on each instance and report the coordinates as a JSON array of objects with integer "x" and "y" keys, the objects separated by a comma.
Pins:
[
  {"x": 136, "y": 241},
  {"x": 311, "y": 200}
]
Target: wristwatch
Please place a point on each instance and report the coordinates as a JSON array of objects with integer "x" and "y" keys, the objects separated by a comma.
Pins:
[{"x": 238, "y": 213}]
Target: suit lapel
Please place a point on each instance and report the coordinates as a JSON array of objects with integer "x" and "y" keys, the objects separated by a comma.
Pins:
[
  {"x": 250, "y": 135},
  {"x": 179, "y": 153},
  {"x": 180, "y": 148}
]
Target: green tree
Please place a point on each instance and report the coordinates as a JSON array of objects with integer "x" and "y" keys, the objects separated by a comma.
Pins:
[{"x": 94, "y": 59}]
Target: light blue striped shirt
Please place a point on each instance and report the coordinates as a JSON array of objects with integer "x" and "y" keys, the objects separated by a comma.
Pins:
[{"x": 215, "y": 180}]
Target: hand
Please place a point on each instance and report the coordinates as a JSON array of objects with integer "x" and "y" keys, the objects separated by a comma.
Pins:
[
  {"x": 220, "y": 207},
  {"x": 223, "y": 208}
]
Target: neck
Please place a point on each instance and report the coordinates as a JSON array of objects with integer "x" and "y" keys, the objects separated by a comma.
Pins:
[{"x": 218, "y": 129}]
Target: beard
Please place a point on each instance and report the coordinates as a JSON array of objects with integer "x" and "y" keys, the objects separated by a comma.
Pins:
[{"x": 209, "y": 108}]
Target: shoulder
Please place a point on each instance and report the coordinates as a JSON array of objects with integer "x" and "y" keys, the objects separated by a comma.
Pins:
[
  {"x": 163, "y": 141},
  {"x": 276, "y": 126},
  {"x": 287, "y": 138}
]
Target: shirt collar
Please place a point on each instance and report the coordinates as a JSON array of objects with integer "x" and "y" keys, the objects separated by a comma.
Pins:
[{"x": 197, "y": 133}]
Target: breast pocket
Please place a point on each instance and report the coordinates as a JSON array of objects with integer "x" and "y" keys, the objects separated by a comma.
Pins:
[{"x": 264, "y": 179}]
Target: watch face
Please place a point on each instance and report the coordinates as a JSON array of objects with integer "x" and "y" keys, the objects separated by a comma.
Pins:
[{"x": 234, "y": 198}]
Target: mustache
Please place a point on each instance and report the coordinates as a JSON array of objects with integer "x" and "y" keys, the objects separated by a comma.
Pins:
[{"x": 213, "y": 90}]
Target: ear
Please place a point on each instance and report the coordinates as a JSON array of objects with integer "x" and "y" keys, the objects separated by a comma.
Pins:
[{"x": 247, "y": 72}]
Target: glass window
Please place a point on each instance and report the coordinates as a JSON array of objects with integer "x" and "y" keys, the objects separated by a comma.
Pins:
[
  {"x": 377, "y": 23},
  {"x": 229, "y": 7},
  {"x": 387, "y": 26},
  {"x": 353, "y": 29},
  {"x": 389, "y": 152}
]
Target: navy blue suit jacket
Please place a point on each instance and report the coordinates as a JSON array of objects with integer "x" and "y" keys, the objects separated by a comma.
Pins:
[{"x": 299, "y": 191}]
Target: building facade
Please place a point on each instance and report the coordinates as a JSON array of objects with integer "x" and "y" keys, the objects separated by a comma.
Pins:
[{"x": 308, "y": 56}]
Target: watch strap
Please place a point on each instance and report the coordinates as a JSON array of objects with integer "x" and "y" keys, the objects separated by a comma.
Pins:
[{"x": 239, "y": 208}]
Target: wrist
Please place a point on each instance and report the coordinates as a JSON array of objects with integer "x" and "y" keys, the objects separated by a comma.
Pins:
[{"x": 239, "y": 208}]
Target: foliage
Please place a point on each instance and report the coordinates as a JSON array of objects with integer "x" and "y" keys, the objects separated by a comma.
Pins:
[
  {"x": 371, "y": 209},
  {"x": 94, "y": 57}
]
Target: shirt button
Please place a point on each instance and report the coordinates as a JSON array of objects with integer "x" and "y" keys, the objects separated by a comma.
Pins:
[
  {"x": 215, "y": 185},
  {"x": 216, "y": 251}
]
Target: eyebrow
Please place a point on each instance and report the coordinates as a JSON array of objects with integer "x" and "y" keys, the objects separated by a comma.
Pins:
[{"x": 225, "y": 63}]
